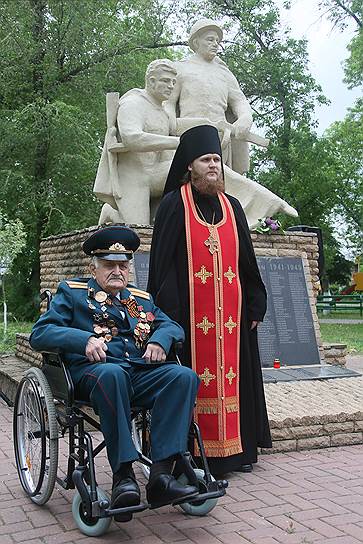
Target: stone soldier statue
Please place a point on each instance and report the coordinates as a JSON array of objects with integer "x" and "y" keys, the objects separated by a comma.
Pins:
[
  {"x": 138, "y": 149},
  {"x": 206, "y": 92}
]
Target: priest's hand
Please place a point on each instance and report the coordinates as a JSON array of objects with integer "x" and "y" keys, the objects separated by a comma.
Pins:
[
  {"x": 96, "y": 350},
  {"x": 154, "y": 353},
  {"x": 254, "y": 324}
]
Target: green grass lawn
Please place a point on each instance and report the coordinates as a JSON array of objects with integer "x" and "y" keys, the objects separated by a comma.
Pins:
[
  {"x": 352, "y": 335},
  {"x": 7, "y": 345}
]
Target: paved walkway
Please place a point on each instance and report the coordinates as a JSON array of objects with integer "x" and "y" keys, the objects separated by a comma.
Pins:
[{"x": 291, "y": 498}]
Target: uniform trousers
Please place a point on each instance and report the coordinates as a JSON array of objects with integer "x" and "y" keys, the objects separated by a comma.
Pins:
[{"x": 168, "y": 389}]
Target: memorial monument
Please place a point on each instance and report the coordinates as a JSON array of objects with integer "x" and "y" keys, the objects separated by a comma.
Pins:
[{"x": 144, "y": 126}]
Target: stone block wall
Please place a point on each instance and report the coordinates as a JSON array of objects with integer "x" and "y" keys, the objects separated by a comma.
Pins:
[
  {"x": 25, "y": 352},
  {"x": 61, "y": 257},
  {"x": 335, "y": 354},
  {"x": 295, "y": 437}
]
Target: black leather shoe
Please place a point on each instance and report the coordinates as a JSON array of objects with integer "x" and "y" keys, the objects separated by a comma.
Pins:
[
  {"x": 246, "y": 468},
  {"x": 126, "y": 492},
  {"x": 165, "y": 489}
]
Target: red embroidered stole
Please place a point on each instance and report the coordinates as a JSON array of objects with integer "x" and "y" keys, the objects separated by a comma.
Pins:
[{"x": 215, "y": 309}]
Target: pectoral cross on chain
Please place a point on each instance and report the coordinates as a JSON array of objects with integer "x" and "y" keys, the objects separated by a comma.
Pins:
[{"x": 212, "y": 244}]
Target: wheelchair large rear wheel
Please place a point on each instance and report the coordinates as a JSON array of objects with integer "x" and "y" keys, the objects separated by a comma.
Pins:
[
  {"x": 197, "y": 508},
  {"x": 35, "y": 436}
]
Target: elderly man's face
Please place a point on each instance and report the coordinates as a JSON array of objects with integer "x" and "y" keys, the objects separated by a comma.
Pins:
[
  {"x": 206, "y": 44},
  {"x": 111, "y": 276},
  {"x": 161, "y": 84}
]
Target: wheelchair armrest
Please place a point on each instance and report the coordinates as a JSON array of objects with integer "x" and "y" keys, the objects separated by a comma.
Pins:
[
  {"x": 175, "y": 352},
  {"x": 59, "y": 378},
  {"x": 177, "y": 347}
]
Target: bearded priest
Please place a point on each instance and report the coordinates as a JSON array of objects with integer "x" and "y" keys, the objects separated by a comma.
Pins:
[{"x": 204, "y": 275}]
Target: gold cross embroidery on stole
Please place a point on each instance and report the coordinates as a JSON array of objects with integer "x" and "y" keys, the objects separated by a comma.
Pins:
[
  {"x": 230, "y": 324},
  {"x": 230, "y": 375},
  {"x": 230, "y": 275},
  {"x": 205, "y": 325},
  {"x": 207, "y": 377},
  {"x": 203, "y": 274}
]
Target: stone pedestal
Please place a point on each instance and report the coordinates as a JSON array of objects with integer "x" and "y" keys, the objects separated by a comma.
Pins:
[{"x": 335, "y": 354}]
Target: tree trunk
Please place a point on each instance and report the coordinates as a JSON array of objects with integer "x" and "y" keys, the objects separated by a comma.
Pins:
[{"x": 42, "y": 143}]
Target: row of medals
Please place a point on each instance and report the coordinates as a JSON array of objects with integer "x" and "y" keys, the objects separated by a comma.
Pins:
[
  {"x": 103, "y": 326},
  {"x": 106, "y": 327}
]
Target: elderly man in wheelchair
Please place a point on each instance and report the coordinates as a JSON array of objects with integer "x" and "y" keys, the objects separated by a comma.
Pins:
[{"x": 113, "y": 343}]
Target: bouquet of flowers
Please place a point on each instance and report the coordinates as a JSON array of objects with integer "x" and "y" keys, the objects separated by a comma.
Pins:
[{"x": 266, "y": 225}]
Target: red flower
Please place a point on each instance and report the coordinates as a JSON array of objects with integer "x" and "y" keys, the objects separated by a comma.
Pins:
[{"x": 150, "y": 316}]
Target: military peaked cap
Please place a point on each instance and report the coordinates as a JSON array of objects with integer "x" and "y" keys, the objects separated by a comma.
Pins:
[{"x": 114, "y": 243}]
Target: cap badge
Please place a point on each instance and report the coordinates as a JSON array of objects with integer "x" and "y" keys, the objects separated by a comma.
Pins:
[{"x": 117, "y": 247}]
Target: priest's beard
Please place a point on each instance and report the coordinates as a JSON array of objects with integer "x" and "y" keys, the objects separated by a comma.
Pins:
[{"x": 206, "y": 186}]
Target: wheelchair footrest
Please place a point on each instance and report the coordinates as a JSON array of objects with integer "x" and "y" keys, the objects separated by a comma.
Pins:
[
  {"x": 125, "y": 510},
  {"x": 209, "y": 495}
]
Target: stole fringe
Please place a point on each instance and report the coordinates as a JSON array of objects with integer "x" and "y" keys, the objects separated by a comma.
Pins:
[
  {"x": 232, "y": 408},
  {"x": 207, "y": 410},
  {"x": 217, "y": 449}
]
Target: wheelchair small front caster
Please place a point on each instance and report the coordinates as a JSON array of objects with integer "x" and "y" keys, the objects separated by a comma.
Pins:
[
  {"x": 87, "y": 524},
  {"x": 198, "y": 508}
]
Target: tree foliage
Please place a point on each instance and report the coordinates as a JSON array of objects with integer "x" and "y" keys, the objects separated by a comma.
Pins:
[
  {"x": 59, "y": 58},
  {"x": 345, "y": 140},
  {"x": 12, "y": 241},
  {"x": 342, "y": 13}
]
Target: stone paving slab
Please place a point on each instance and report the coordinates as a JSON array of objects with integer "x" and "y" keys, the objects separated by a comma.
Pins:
[{"x": 291, "y": 498}]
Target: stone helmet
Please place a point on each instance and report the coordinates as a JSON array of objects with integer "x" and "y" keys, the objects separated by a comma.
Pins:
[{"x": 202, "y": 25}]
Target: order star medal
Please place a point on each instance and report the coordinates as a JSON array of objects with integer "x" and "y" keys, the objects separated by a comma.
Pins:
[{"x": 100, "y": 296}]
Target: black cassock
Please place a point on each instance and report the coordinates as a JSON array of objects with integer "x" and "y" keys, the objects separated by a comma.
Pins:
[{"x": 169, "y": 285}]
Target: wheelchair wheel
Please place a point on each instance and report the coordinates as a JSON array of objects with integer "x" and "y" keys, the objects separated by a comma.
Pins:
[
  {"x": 198, "y": 508},
  {"x": 145, "y": 449},
  {"x": 87, "y": 525},
  {"x": 35, "y": 432}
]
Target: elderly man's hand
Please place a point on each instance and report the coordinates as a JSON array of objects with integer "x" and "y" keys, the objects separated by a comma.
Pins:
[
  {"x": 96, "y": 349},
  {"x": 154, "y": 353}
]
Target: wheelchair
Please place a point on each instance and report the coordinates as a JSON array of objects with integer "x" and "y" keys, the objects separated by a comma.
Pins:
[{"x": 46, "y": 409}]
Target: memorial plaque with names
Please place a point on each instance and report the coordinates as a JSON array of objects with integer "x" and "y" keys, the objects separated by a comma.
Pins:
[
  {"x": 141, "y": 269},
  {"x": 287, "y": 331}
]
